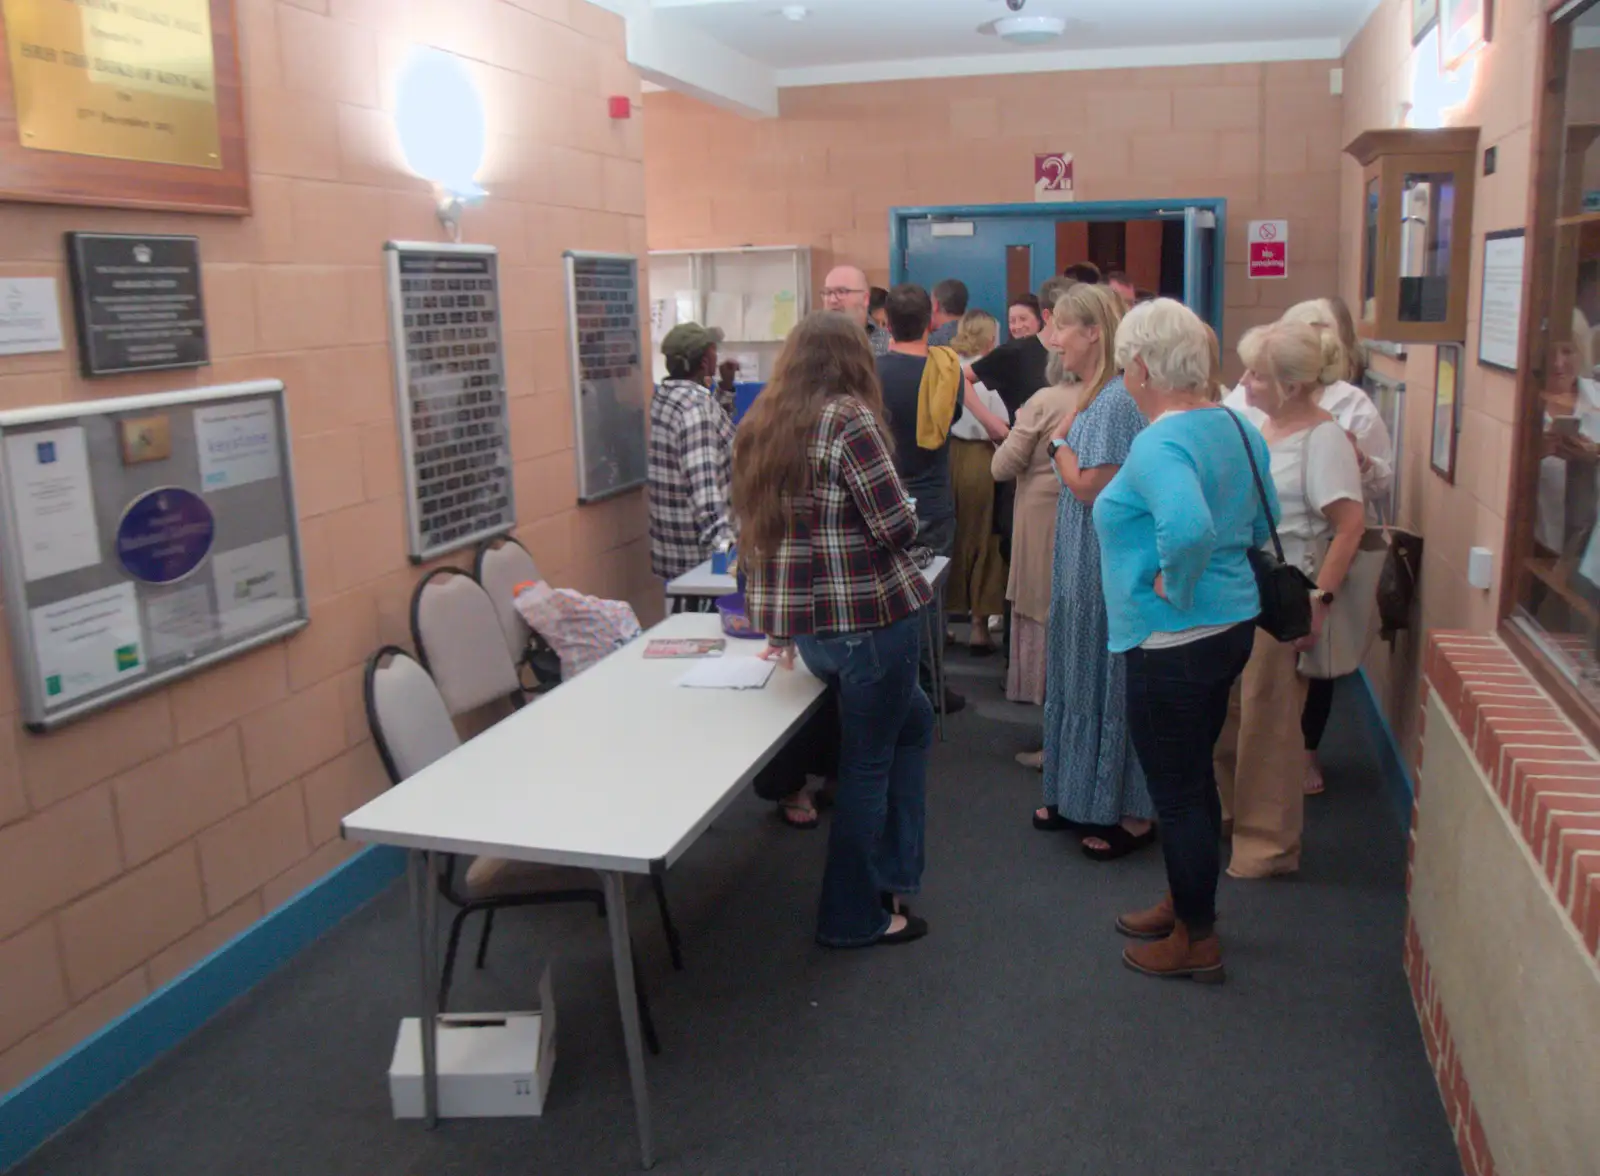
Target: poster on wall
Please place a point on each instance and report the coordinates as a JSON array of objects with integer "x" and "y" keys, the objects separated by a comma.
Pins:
[
  {"x": 1424, "y": 15},
  {"x": 1446, "y": 411},
  {"x": 610, "y": 387},
  {"x": 1464, "y": 28},
  {"x": 1500, "y": 329},
  {"x": 1269, "y": 249}
]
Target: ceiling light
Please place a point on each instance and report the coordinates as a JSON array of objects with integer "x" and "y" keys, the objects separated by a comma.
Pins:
[
  {"x": 795, "y": 11},
  {"x": 1029, "y": 30}
]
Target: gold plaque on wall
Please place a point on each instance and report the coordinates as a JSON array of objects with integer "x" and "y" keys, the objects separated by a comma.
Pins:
[{"x": 121, "y": 79}]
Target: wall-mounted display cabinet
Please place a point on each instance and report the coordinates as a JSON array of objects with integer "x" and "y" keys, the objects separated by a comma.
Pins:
[
  {"x": 755, "y": 294},
  {"x": 1416, "y": 249}
]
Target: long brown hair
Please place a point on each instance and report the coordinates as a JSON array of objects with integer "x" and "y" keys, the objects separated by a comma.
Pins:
[{"x": 825, "y": 356}]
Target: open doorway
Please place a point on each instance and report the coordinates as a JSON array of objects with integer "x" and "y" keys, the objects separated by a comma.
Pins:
[{"x": 1171, "y": 248}]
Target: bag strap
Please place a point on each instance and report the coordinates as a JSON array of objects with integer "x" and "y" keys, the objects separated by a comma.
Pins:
[{"x": 1261, "y": 488}]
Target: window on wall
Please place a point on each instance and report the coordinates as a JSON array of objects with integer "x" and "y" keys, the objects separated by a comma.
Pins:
[{"x": 1555, "y": 603}]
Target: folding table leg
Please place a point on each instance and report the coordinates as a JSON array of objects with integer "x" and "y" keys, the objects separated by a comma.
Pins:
[
  {"x": 674, "y": 947},
  {"x": 628, "y": 1003},
  {"x": 425, "y": 908}
]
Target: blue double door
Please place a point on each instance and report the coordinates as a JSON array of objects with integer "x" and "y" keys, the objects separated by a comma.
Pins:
[{"x": 981, "y": 244}]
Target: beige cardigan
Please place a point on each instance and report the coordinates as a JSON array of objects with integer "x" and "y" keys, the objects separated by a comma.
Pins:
[{"x": 1025, "y": 458}]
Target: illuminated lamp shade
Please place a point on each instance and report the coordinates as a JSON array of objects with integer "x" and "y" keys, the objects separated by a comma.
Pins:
[{"x": 439, "y": 117}]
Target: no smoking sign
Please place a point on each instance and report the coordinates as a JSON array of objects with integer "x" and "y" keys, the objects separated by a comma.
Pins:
[{"x": 1269, "y": 249}]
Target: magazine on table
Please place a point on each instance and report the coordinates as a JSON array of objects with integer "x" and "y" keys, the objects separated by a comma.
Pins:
[{"x": 662, "y": 648}]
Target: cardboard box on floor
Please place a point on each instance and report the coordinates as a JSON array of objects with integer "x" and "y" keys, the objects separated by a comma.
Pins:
[{"x": 491, "y": 1065}]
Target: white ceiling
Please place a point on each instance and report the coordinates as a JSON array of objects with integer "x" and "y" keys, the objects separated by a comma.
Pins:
[{"x": 867, "y": 40}]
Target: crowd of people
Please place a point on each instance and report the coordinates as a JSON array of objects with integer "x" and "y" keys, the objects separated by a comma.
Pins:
[{"x": 1105, "y": 503}]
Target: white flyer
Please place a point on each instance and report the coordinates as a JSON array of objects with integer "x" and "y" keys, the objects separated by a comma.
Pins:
[
  {"x": 255, "y": 585},
  {"x": 179, "y": 620},
  {"x": 85, "y": 643},
  {"x": 238, "y": 443},
  {"x": 53, "y": 501},
  {"x": 30, "y": 316}
]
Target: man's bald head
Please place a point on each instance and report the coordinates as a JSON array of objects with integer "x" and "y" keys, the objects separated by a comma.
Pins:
[{"x": 845, "y": 290}]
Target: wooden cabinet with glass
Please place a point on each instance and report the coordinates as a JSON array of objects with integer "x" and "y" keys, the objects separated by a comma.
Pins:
[{"x": 1416, "y": 252}]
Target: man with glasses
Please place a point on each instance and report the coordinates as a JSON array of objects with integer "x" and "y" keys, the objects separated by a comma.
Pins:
[{"x": 845, "y": 290}]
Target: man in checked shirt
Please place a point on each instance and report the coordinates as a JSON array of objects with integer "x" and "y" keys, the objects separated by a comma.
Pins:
[{"x": 691, "y": 455}]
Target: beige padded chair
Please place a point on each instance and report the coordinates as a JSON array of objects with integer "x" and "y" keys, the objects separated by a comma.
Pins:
[
  {"x": 500, "y": 565},
  {"x": 460, "y": 643},
  {"x": 411, "y": 727}
]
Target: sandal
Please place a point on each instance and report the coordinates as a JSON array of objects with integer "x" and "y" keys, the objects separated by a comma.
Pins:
[
  {"x": 787, "y": 809},
  {"x": 1120, "y": 843},
  {"x": 1056, "y": 823}
]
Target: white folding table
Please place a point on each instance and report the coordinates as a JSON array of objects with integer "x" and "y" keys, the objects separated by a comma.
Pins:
[
  {"x": 619, "y": 770},
  {"x": 700, "y": 584}
]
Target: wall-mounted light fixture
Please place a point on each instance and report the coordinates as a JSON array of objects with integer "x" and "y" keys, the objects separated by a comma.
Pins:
[{"x": 440, "y": 120}]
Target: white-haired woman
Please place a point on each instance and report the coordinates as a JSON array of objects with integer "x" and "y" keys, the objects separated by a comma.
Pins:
[
  {"x": 1318, "y": 481},
  {"x": 1176, "y": 527},
  {"x": 1353, "y": 409}
]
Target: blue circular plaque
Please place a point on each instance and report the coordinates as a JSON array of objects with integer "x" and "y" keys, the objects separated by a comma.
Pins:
[{"x": 165, "y": 534}]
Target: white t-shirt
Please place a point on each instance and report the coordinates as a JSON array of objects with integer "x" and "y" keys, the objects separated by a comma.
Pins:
[
  {"x": 1311, "y": 470},
  {"x": 1357, "y": 415},
  {"x": 969, "y": 428}
]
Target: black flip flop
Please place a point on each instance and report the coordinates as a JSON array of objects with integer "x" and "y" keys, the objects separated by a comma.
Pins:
[
  {"x": 1120, "y": 842},
  {"x": 1056, "y": 823}
]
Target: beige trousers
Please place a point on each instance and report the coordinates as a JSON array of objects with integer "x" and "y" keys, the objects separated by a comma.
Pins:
[{"x": 1260, "y": 762}]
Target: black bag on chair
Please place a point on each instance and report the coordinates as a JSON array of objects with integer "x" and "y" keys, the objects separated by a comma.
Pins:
[{"x": 1285, "y": 589}]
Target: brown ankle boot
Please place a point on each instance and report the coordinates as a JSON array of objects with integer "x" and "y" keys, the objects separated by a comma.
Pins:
[
  {"x": 1155, "y": 923},
  {"x": 1175, "y": 957}
]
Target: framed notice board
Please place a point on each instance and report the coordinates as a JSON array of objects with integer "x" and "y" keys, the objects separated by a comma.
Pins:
[
  {"x": 450, "y": 381},
  {"x": 143, "y": 539},
  {"x": 609, "y": 384}
]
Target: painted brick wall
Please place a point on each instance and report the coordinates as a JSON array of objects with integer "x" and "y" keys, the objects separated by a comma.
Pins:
[
  {"x": 138, "y": 840},
  {"x": 1503, "y": 935},
  {"x": 826, "y": 172}
]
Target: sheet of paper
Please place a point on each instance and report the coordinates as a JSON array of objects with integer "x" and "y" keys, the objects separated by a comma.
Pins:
[
  {"x": 663, "y": 316},
  {"x": 255, "y": 585},
  {"x": 85, "y": 643},
  {"x": 30, "y": 316},
  {"x": 53, "y": 500},
  {"x": 238, "y": 443},
  {"x": 727, "y": 312},
  {"x": 729, "y": 673},
  {"x": 179, "y": 621},
  {"x": 685, "y": 307},
  {"x": 784, "y": 314}
]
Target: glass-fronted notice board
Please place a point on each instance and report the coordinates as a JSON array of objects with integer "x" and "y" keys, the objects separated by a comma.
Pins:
[{"x": 143, "y": 539}]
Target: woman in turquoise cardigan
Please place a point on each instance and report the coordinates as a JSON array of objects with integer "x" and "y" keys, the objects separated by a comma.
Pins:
[{"x": 1175, "y": 527}]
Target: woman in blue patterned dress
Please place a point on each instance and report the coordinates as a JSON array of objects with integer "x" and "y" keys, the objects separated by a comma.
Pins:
[{"x": 1092, "y": 781}]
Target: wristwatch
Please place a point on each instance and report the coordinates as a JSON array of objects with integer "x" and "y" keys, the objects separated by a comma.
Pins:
[
  {"x": 1322, "y": 598},
  {"x": 1055, "y": 444}
]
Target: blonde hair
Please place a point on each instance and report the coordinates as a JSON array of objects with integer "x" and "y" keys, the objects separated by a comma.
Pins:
[
  {"x": 1094, "y": 306},
  {"x": 1319, "y": 315},
  {"x": 1291, "y": 355},
  {"x": 976, "y": 335}
]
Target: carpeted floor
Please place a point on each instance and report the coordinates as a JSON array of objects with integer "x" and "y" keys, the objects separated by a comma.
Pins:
[{"x": 1010, "y": 1041}]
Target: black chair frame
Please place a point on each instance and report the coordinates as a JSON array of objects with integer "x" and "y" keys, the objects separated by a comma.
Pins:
[{"x": 465, "y": 906}]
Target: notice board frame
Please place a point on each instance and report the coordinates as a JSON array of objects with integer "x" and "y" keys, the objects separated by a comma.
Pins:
[
  {"x": 37, "y": 716},
  {"x": 583, "y": 405},
  {"x": 418, "y": 549}
]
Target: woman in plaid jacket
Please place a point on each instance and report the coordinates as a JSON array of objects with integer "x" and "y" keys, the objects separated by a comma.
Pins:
[{"x": 824, "y": 526}]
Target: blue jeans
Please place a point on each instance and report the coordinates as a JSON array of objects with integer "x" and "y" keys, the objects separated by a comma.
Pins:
[
  {"x": 886, "y": 728},
  {"x": 1177, "y": 705}
]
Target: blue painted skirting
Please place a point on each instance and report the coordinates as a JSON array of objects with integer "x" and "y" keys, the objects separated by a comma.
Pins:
[
  {"x": 74, "y": 1082},
  {"x": 1396, "y": 776}
]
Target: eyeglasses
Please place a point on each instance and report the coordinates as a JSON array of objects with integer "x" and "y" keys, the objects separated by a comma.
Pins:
[{"x": 839, "y": 291}]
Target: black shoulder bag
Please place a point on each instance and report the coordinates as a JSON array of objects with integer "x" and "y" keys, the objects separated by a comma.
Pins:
[{"x": 1285, "y": 589}]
